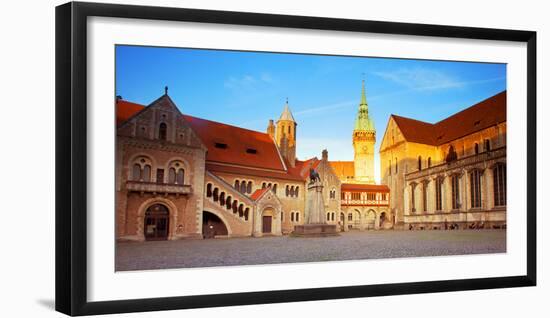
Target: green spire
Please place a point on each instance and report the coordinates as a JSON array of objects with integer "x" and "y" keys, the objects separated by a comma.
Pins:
[
  {"x": 363, "y": 95},
  {"x": 363, "y": 121}
]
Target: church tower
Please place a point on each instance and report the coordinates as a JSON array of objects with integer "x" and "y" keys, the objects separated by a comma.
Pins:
[
  {"x": 285, "y": 135},
  {"x": 364, "y": 137}
]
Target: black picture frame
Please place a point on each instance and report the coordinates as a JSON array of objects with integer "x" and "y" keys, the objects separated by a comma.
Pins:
[{"x": 71, "y": 157}]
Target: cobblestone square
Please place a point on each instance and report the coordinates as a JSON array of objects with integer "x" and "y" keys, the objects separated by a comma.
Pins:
[{"x": 354, "y": 245}]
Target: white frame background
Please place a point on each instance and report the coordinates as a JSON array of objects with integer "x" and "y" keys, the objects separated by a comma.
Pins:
[{"x": 106, "y": 284}]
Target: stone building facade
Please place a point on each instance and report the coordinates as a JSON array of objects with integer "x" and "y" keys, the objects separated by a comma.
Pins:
[
  {"x": 179, "y": 176},
  {"x": 451, "y": 174}
]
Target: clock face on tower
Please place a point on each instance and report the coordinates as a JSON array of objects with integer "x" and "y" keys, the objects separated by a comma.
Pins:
[{"x": 365, "y": 149}]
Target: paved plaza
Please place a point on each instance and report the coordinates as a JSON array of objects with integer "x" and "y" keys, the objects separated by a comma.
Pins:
[{"x": 273, "y": 250}]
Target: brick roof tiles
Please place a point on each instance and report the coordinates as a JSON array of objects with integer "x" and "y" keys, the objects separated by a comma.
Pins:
[{"x": 482, "y": 115}]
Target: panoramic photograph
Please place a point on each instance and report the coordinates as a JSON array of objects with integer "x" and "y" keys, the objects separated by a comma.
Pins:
[{"x": 227, "y": 158}]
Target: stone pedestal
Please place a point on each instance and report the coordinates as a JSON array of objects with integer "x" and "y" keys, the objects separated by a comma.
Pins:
[{"x": 315, "y": 216}]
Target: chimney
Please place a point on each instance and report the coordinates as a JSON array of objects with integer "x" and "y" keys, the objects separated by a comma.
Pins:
[{"x": 271, "y": 129}]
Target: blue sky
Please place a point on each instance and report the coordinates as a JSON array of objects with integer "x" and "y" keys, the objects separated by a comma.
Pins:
[{"x": 247, "y": 89}]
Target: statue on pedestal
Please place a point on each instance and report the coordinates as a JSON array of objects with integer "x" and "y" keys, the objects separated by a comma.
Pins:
[{"x": 315, "y": 224}]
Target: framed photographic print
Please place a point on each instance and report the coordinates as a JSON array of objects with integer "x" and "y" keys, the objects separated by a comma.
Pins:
[{"x": 211, "y": 158}]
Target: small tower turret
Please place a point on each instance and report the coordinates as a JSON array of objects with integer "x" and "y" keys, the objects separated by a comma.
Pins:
[{"x": 286, "y": 129}]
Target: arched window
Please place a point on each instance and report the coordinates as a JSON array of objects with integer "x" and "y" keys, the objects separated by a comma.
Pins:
[
  {"x": 228, "y": 202},
  {"x": 243, "y": 187},
  {"x": 180, "y": 176},
  {"x": 475, "y": 188},
  {"x": 141, "y": 169},
  {"x": 419, "y": 163},
  {"x": 292, "y": 216},
  {"x": 274, "y": 188},
  {"x": 487, "y": 143},
  {"x": 429, "y": 162},
  {"x": 241, "y": 210},
  {"x": 222, "y": 198},
  {"x": 499, "y": 184},
  {"x": 176, "y": 172},
  {"x": 333, "y": 216},
  {"x": 146, "y": 175},
  {"x": 452, "y": 155},
  {"x": 209, "y": 190},
  {"x": 292, "y": 191},
  {"x": 172, "y": 175},
  {"x": 237, "y": 185},
  {"x": 136, "y": 172},
  {"x": 247, "y": 210},
  {"x": 282, "y": 216},
  {"x": 455, "y": 192},
  {"x": 249, "y": 187},
  {"x": 476, "y": 148},
  {"x": 438, "y": 196},
  {"x": 413, "y": 207},
  {"x": 264, "y": 185},
  {"x": 296, "y": 191},
  {"x": 350, "y": 217},
  {"x": 297, "y": 216},
  {"x": 234, "y": 206},
  {"x": 162, "y": 131},
  {"x": 215, "y": 194},
  {"x": 287, "y": 191},
  {"x": 425, "y": 196}
]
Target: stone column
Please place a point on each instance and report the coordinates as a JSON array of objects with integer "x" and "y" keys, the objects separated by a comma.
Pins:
[
  {"x": 447, "y": 194},
  {"x": 406, "y": 200}
]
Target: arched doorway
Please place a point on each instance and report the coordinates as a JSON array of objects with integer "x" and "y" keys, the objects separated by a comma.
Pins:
[
  {"x": 156, "y": 222},
  {"x": 370, "y": 220},
  {"x": 212, "y": 226},
  {"x": 267, "y": 220},
  {"x": 382, "y": 218}
]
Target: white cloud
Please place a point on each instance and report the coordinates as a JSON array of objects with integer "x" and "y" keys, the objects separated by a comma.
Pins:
[
  {"x": 247, "y": 81},
  {"x": 421, "y": 78}
]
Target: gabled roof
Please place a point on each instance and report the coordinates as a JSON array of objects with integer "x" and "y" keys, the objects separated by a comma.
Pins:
[
  {"x": 482, "y": 115},
  {"x": 415, "y": 130},
  {"x": 343, "y": 168},
  {"x": 259, "y": 193},
  {"x": 235, "y": 145},
  {"x": 365, "y": 187}
]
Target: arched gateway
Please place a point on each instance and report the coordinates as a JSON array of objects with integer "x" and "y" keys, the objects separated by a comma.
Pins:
[
  {"x": 212, "y": 225},
  {"x": 156, "y": 222}
]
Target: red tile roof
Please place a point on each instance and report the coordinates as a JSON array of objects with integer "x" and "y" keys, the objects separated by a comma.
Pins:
[
  {"x": 482, "y": 115},
  {"x": 258, "y": 193},
  {"x": 277, "y": 174},
  {"x": 343, "y": 169},
  {"x": 365, "y": 187},
  {"x": 238, "y": 142},
  {"x": 125, "y": 110}
]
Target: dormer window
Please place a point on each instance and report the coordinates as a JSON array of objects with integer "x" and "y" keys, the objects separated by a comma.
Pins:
[
  {"x": 251, "y": 151},
  {"x": 220, "y": 145}
]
